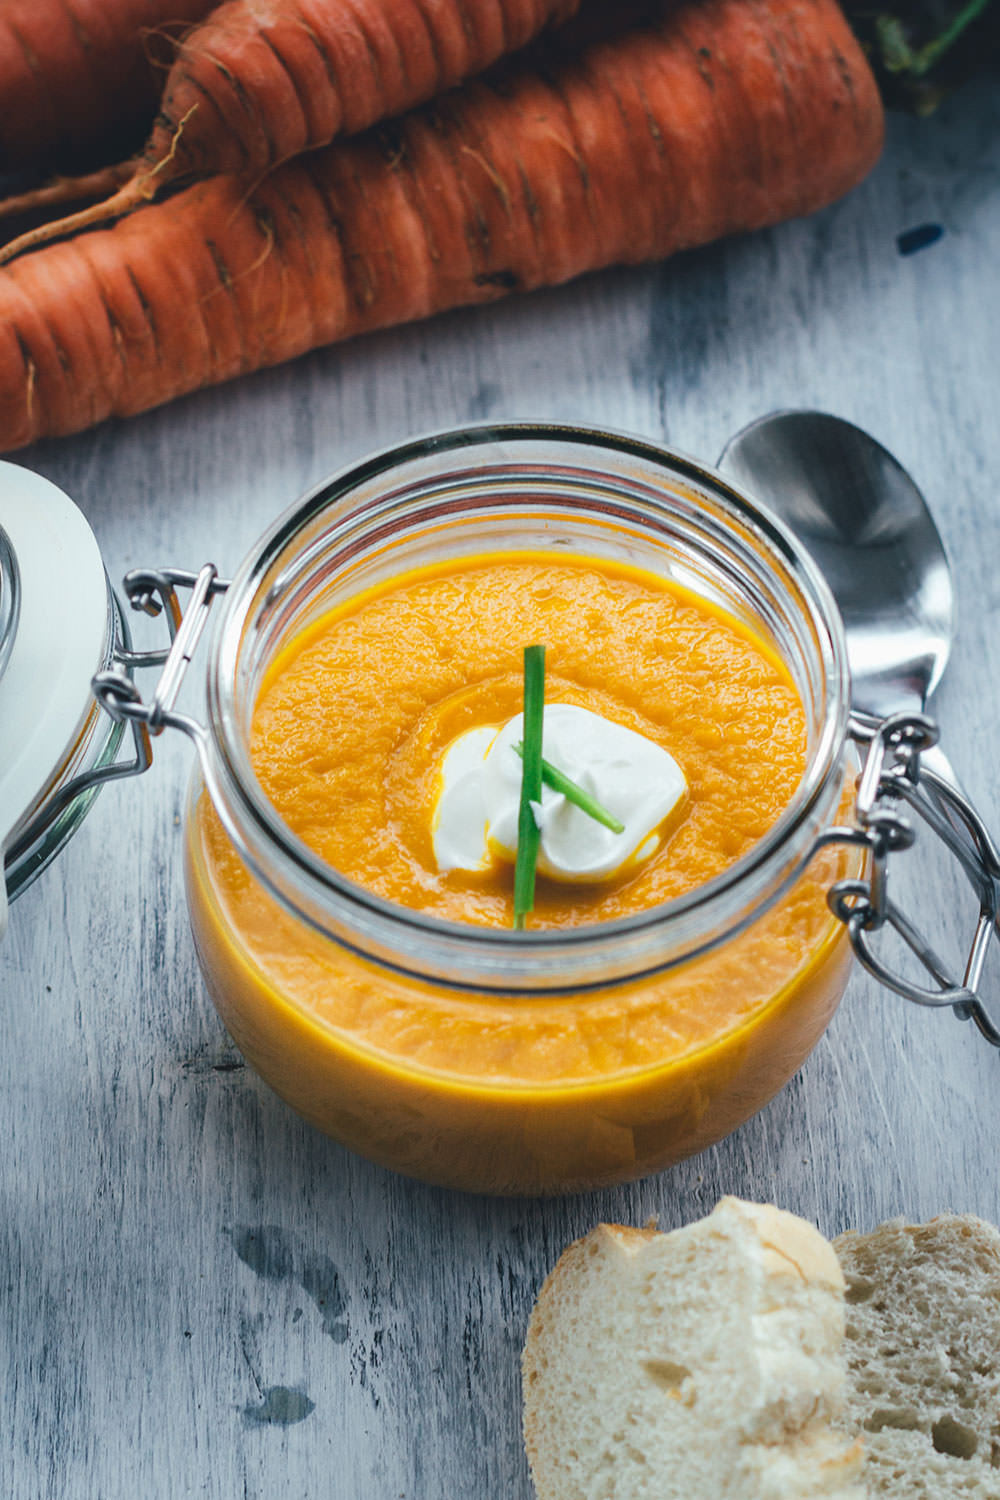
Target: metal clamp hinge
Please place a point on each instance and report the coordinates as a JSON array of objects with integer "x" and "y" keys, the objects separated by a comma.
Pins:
[
  {"x": 892, "y": 774},
  {"x": 152, "y": 592}
]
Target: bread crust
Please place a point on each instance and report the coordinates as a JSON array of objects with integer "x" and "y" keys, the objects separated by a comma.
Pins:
[
  {"x": 923, "y": 1315},
  {"x": 783, "y": 1447}
]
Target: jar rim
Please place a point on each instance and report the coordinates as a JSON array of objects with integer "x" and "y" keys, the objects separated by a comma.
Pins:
[{"x": 365, "y": 922}]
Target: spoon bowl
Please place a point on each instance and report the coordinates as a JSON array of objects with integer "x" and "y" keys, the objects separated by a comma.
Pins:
[{"x": 869, "y": 529}]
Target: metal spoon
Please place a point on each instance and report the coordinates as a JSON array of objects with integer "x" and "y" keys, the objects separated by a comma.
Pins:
[{"x": 869, "y": 529}]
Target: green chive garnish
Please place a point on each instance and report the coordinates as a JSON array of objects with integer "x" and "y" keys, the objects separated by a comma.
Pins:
[
  {"x": 573, "y": 792},
  {"x": 528, "y": 834}
]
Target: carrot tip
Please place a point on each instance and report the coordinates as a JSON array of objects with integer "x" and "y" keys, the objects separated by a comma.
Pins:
[
  {"x": 58, "y": 190},
  {"x": 136, "y": 192}
]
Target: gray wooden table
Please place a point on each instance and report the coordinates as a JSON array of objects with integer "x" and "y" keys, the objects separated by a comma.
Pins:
[{"x": 200, "y": 1295}]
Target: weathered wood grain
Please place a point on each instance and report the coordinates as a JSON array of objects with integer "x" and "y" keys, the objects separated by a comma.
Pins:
[{"x": 200, "y": 1296}]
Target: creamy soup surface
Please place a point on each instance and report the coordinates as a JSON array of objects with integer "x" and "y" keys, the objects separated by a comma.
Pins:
[{"x": 354, "y": 718}]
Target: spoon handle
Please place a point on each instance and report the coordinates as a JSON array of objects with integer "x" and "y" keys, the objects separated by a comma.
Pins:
[{"x": 937, "y": 771}]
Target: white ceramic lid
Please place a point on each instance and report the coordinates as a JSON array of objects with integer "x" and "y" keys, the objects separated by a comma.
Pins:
[{"x": 58, "y": 644}]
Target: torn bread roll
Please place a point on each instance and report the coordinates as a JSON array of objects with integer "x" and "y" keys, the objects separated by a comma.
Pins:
[{"x": 702, "y": 1363}]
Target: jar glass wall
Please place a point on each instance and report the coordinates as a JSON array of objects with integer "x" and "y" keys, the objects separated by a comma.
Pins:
[{"x": 482, "y": 1058}]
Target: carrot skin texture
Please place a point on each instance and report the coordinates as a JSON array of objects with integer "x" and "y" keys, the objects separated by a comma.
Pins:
[
  {"x": 286, "y": 76},
  {"x": 722, "y": 117},
  {"x": 261, "y": 81},
  {"x": 72, "y": 72}
]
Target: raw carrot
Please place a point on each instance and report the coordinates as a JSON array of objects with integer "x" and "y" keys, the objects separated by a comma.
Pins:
[
  {"x": 75, "y": 73},
  {"x": 262, "y": 80},
  {"x": 723, "y": 116},
  {"x": 59, "y": 190}
]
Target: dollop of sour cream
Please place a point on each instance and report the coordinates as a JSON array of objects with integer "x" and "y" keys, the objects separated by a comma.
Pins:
[{"x": 475, "y": 816}]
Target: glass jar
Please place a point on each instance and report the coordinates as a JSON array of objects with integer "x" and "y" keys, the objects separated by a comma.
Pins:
[{"x": 500, "y": 1061}]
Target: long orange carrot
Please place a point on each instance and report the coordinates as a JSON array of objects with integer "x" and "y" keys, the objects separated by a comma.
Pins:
[
  {"x": 722, "y": 116},
  {"x": 75, "y": 72},
  {"x": 262, "y": 80}
]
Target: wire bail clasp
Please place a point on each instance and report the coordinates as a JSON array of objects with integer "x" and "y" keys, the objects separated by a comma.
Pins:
[
  {"x": 154, "y": 591},
  {"x": 892, "y": 774}
]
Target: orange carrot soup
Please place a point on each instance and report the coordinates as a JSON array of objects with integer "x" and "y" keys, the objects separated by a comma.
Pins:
[{"x": 353, "y": 743}]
